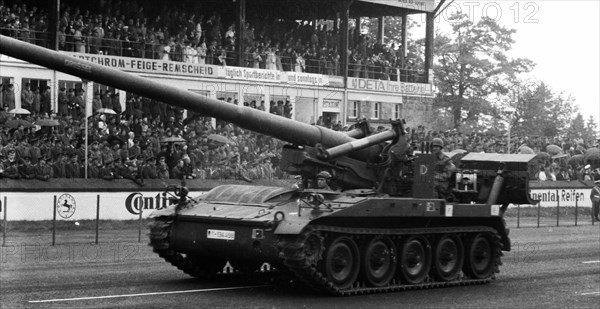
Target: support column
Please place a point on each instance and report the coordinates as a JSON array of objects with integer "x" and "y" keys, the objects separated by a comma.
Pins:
[
  {"x": 53, "y": 23},
  {"x": 336, "y": 23},
  {"x": 344, "y": 15},
  {"x": 380, "y": 29},
  {"x": 356, "y": 34},
  {"x": 241, "y": 21},
  {"x": 429, "y": 34},
  {"x": 403, "y": 47},
  {"x": 88, "y": 87}
]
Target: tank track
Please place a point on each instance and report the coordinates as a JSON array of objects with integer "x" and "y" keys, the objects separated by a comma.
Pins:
[{"x": 292, "y": 251}]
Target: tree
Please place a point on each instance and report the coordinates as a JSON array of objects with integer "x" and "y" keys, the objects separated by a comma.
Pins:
[
  {"x": 577, "y": 127},
  {"x": 591, "y": 129},
  {"x": 472, "y": 65},
  {"x": 540, "y": 111}
]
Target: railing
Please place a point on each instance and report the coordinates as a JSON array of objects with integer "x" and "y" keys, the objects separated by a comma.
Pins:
[
  {"x": 571, "y": 214},
  {"x": 146, "y": 50}
]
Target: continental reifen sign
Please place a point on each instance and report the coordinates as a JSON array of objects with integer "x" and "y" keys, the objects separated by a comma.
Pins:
[
  {"x": 562, "y": 197},
  {"x": 113, "y": 205}
]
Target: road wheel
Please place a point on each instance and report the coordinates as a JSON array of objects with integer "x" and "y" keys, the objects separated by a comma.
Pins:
[
  {"x": 415, "y": 259},
  {"x": 480, "y": 257},
  {"x": 313, "y": 249},
  {"x": 342, "y": 262},
  {"x": 379, "y": 261},
  {"x": 448, "y": 258}
]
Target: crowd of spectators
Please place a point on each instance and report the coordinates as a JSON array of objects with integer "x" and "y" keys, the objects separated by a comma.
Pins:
[
  {"x": 149, "y": 140},
  {"x": 124, "y": 28},
  {"x": 559, "y": 158}
]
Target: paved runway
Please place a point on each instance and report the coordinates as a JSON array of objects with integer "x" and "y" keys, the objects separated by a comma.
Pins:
[{"x": 549, "y": 267}]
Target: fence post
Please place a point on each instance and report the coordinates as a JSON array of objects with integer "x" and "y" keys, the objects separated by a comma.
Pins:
[
  {"x": 140, "y": 225},
  {"x": 576, "y": 207},
  {"x": 97, "y": 216},
  {"x": 538, "y": 213},
  {"x": 518, "y": 215},
  {"x": 54, "y": 222},
  {"x": 557, "y": 208},
  {"x": 5, "y": 224}
]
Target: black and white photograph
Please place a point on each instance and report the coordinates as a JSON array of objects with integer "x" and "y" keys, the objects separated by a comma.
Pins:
[{"x": 299, "y": 154}]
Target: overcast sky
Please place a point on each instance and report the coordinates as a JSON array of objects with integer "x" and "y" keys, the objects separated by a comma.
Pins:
[{"x": 561, "y": 37}]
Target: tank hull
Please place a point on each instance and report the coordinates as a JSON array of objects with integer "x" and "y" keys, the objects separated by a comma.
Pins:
[{"x": 339, "y": 246}]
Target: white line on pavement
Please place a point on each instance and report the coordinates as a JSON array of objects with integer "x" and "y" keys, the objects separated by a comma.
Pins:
[
  {"x": 590, "y": 262},
  {"x": 591, "y": 293},
  {"x": 147, "y": 294}
]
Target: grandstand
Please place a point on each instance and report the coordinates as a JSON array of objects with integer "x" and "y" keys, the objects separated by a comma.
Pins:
[{"x": 306, "y": 60}]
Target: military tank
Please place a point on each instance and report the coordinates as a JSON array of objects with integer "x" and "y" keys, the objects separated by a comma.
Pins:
[{"x": 378, "y": 226}]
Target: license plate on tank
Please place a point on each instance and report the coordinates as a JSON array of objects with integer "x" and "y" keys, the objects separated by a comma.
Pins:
[{"x": 220, "y": 234}]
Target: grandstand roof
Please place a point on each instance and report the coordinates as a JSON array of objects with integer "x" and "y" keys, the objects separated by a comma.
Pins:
[{"x": 325, "y": 9}]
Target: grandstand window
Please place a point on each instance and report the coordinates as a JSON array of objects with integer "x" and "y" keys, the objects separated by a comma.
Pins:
[
  {"x": 354, "y": 111},
  {"x": 376, "y": 110},
  {"x": 397, "y": 111},
  {"x": 35, "y": 83},
  {"x": 5, "y": 80},
  {"x": 70, "y": 85}
]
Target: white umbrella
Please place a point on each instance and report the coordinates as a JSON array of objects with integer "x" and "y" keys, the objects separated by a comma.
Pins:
[
  {"x": 20, "y": 111},
  {"x": 106, "y": 111}
]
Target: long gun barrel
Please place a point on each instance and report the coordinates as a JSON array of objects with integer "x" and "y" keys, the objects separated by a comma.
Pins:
[{"x": 258, "y": 121}]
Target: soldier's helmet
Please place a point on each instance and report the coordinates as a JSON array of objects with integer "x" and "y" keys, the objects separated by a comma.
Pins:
[
  {"x": 437, "y": 142},
  {"x": 324, "y": 174}
]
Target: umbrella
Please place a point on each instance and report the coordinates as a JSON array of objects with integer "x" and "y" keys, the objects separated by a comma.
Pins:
[
  {"x": 47, "y": 123},
  {"x": 106, "y": 111},
  {"x": 542, "y": 156},
  {"x": 20, "y": 111},
  {"x": 525, "y": 150},
  {"x": 560, "y": 156},
  {"x": 575, "y": 160},
  {"x": 13, "y": 123},
  {"x": 220, "y": 139},
  {"x": 173, "y": 139},
  {"x": 553, "y": 150},
  {"x": 591, "y": 156},
  {"x": 133, "y": 112}
]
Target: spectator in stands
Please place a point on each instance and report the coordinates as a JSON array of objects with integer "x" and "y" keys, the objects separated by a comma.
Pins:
[
  {"x": 43, "y": 171},
  {"x": 27, "y": 97},
  {"x": 163, "y": 168},
  {"x": 149, "y": 170},
  {"x": 8, "y": 96}
]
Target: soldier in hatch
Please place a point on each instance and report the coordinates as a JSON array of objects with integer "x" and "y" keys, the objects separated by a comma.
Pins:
[
  {"x": 322, "y": 180},
  {"x": 443, "y": 169}
]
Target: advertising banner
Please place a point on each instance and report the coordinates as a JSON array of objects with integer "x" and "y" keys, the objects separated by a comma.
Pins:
[
  {"x": 139, "y": 65},
  {"x": 563, "y": 197},
  {"x": 300, "y": 78},
  {"x": 250, "y": 74},
  {"x": 389, "y": 86},
  {"x": 74, "y": 206},
  {"x": 331, "y": 105}
]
